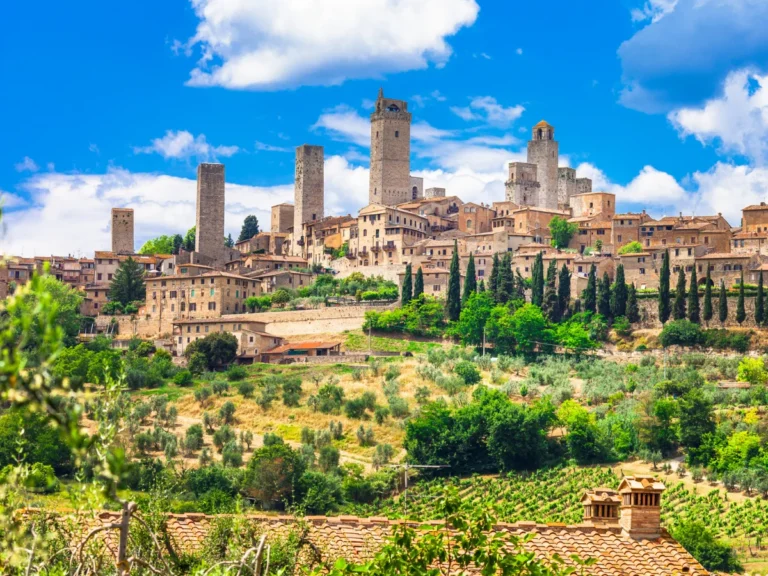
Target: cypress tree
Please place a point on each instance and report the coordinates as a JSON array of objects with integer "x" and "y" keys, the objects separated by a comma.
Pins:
[
  {"x": 481, "y": 286},
  {"x": 493, "y": 280},
  {"x": 664, "y": 288},
  {"x": 470, "y": 280},
  {"x": 454, "y": 286},
  {"x": 418, "y": 286},
  {"x": 507, "y": 278},
  {"x": 502, "y": 281},
  {"x": 590, "y": 292},
  {"x": 406, "y": 293},
  {"x": 576, "y": 306},
  {"x": 604, "y": 296},
  {"x": 563, "y": 292},
  {"x": 740, "y": 314},
  {"x": 633, "y": 312},
  {"x": 707, "y": 312},
  {"x": 678, "y": 308},
  {"x": 693, "y": 299},
  {"x": 537, "y": 280},
  {"x": 619, "y": 293},
  {"x": 549, "y": 305},
  {"x": 519, "y": 286},
  {"x": 760, "y": 301},
  {"x": 723, "y": 304}
]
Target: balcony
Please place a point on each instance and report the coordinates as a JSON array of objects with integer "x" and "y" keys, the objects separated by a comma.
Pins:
[
  {"x": 389, "y": 246},
  {"x": 376, "y": 248},
  {"x": 351, "y": 256}
]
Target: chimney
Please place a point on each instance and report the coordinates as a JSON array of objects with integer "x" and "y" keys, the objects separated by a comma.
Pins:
[
  {"x": 641, "y": 507},
  {"x": 601, "y": 506}
]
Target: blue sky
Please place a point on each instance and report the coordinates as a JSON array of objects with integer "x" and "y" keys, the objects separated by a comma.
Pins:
[{"x": 114, "y": 104}]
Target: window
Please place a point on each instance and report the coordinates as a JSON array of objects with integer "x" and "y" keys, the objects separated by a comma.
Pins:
[
  {"x": 397, "y": 134},
  {"x": 98, "y": 276},
  {"x": 96, "y": 294},
  {"x": 192, "y": 293},
  {"x": 173, "y": 307},
  {"x": 436, "y": 288},
  {"x": 197, "y": 328},
  {"x": 193, "y": 307},
  {"x": 642, "y": 270},
  {"x": 619, "y": 237},
  {"x": 206, "y": 328}
]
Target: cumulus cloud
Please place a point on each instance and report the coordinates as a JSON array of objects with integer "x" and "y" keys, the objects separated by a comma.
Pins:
[
  {"x": 180, "y": 144},
  {"x": 653, "y": 10},
  {"x": 26, "y": 165},
  {"x": 487, "y": 109},
  {"x": 274, "y": 44},
  {"x": 737, "y": 121},
  {"x": 682, "y": 58},
  {"x": 344, "y": 123}
]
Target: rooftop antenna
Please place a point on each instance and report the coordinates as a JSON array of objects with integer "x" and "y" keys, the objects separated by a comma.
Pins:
[{"x": 407, "y": 467}]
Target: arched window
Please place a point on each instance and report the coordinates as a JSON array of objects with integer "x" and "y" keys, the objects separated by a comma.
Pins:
[
  {"x": 414, "y": 193},
  {"x": 469, "y": 222},
  {"x": 539, "y": 134}
]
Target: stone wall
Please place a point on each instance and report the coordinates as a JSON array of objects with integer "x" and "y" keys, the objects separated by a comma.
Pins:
[
  {"x": 309, "y": 188},
  {"x": 344, "y": 267},
  {"x": 209, "y": 234},
  {"x": 649, "y": 312},
  {"x": 122, "y": 230},
  {"x": 334, "y": 320}
]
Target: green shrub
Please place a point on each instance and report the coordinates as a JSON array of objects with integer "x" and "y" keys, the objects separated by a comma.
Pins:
[
  {"x": 246, "y": 388},
  {"x": 220, "y": 387},
  {"x": 194, "y": 437},
  {"x": 183, "y": 378},
  {"x": 236, "y": 373},
  {"x": 227, "y": 413},
  {"x": 722, "y": 339},
  {"x": 680, "y": 333},
  {"x": 468, "y": 372},
  {"x": 197, "y": 363},
  {"x": 330, "y": 398}
]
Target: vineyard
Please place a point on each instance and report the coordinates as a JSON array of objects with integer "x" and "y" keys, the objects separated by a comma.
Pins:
[{"x": 554, "y": 495}]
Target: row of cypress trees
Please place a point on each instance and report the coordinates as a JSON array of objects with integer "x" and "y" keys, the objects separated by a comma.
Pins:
[{"x": 611, "y": 300}]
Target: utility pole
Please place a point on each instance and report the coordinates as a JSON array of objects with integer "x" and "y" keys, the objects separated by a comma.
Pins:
[{"x": 407, "y": 467}]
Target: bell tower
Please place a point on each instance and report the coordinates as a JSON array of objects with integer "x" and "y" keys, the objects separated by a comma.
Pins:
[
  {"x": 543, "y": 151},
  {"x": 390, "y": 179}
]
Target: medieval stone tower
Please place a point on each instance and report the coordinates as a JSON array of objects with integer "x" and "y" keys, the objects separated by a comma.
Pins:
[
  {"x": 209, "y": 236},
  {"x": 122, "y": 230},
  {"x": 390, "y": 152},
  {"x": 543, "y": 152},
  {"x": 522, "y": 187},
  {"x": 309, "y": 188}
]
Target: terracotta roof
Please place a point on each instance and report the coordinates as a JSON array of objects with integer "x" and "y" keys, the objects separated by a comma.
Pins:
[
  {"x": 276, "y": 258},
  {"x": 545, "y": 210},
  {"x": 358, "y": 539},
  {"x": 543, "y": 124},
  {"x": 236, "y": 318},
  {"x": 280, "y": 273},
  {"x": 723, "y": 255},
  {"x": 750, "y": 236},
  {"x": 761, "y": 206},
  {"x": 303, "y": 346}
]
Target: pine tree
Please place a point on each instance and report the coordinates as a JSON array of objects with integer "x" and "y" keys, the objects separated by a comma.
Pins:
[
  {"x": 481, "y": 286},
  {"x": 470, "y": 280},
  {"x": 632, "y": 312},
  {"x": 604, "y": 296},
  {"x": 694, "y": 312},
  {"x": 723, "y": 304},
  {"x": 619, "y": 293},
  {"x": 519, "y": 286},
  {"x": 707, "y": 312},
  {"x": 740, "y": 314},
  {"x": 228, "y": 242},
  {"x": 678, "y": 308},
  {"x": 250, "y": 228},
  {"x": 563, "y": 292},
  {"x": 418, "y": 286},
  {"x": 493, "y": 280},
  {"x": 537, "y": 280},
  {"x": 590, "y": 292},
  {"x": 760, "y": 301},
  {"x": 128, "y": 283},
  {"x": 664, "y": 309},
  {"x": 549, "y": 305},
  {"x": 454, "y": 286},
  {"x": 406, "y": 293}
]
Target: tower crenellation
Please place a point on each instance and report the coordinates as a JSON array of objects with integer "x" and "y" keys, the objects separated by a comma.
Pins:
[{"x": 390, "y": 178}]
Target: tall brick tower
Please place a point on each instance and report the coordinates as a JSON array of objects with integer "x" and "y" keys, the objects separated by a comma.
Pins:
[
  {"x": 309, "y": 190},
  {"x": 543, "y": 151},
  {"x": 209, "y": 236},
  {"x": 390, "y": 152},
  {"x": 122, "y": 230}
]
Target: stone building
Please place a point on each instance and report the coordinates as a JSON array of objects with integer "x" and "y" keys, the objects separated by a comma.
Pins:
[
  {"x": 209, "y": 220},
  {"x": 593, "y": 231},
  {"x": 535, "y": 221},
  {"x": 282, "y": 218},
  {"x": 309, "y": 191},
  {"x": 390, "y": 172},
  {"x": 384, "y": 232},
  {"x": 726, "y": 267},
  {"x": 252, "y": 338},
  {"x": 122, "y": 230},
  {"x": 626, "y": 228},
  {"x": 755, "y": 218},
  {"x": 276, "y": 279},
  {"x": 475, "y": 218},
  {"x": 417, "y": 188},
  {"x": 523, "y": 188},
  {"x": 593, "y": 203},
  {"x": 434, "y": 193}
]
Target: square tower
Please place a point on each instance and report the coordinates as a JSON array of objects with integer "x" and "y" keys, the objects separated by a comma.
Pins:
[
  {"x": 390, "y": 181},
  {"x": 282, "y": 218},
  {"x": 122, "y": 230},
  {"x": 522, "y": 187},
  {"x": 417, "y": 188},
  {"x": 309, "y": 188},
  {"x": 543, "y": 151},
  {"x": 566, "y": 185},
  {"x": 209, "y": 235}
]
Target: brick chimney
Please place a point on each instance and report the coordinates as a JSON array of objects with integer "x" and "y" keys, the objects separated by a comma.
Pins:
[
  {"x": 641, "y": 506},
  {"x": 601, "y": 506}
]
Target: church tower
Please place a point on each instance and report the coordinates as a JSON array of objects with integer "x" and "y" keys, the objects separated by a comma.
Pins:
[
  {"x": 390, "y": 181},
  {"x": 543, "y": 151}
]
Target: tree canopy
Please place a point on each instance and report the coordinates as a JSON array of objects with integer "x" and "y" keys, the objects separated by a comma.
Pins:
[
  {"x": 250, "y": 228},
  {"x": 562, "y": 231}
]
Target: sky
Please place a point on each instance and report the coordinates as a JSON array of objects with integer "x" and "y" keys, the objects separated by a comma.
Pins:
[{"x": 114, "y": 104}]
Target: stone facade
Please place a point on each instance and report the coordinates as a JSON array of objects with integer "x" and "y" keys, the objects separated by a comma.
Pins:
[
  {"x": 593, "y": 203},
  {"x": 282, "y": 218},
  {"x": 417, "y": 188},
  {"x": 122, "y": 230},
  {"x": 543, "y": 152},
  {"x": 755, "y": 218},
  {"x": 475, "y": 218},
  {"x": 309, "y": 191},
  {"x": 523, "y": 188},
  {"x": 434, "y": 193},
  {"x": 390, "y": 174},
  {"x": 209, "y": 235},
  {"x": 566, "y": 185},
  {"x": 252, "y": 339}
]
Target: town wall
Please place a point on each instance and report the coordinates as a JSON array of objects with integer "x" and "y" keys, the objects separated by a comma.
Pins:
[{"x": 649, "y": 312}]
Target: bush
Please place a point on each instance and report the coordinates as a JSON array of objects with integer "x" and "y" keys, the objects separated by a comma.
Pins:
[
  {"x": 232, "y": 454},
  {"x": 219, "y": 349},
  {"x": 183, "y": 378},
  {"x": 246, "y": 388},
  {"x": 194, "y": 437},
  {"x": 383, "y": 455},
  {"x": 355, "y": 408},
  {"x": 203, "y": 394},
  {"x": 330, "y": 398},
  {"x": 328, "y": 459},
  {"x": 222, "y": 437},
  {"x": 622, "y": 326},
  {"x": 722, "y": 339},
  {"x": 752, "y": 370},
  {"x": 236, "y": 373},
  {"x": 680, "y": 333},
  {"x": 227, "y": 413},
  {"x": 321, "y": 492},
  {"x": 702, "y": 545},
  {"x": 220, "y": 387},
  {"x": 398, "y": 407},
  {"x": 468, "y": 372},
  {"x": 291, "y": 390},
  {"x": 197, "y": 363}
]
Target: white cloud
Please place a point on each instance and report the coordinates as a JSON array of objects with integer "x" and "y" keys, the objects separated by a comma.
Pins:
[
  {"x": 262, "y": 146},
  {"x": 653, "y": 10},
  {"x": 9, "y": 201},
  {"x": 346, "y": 124},
  {"x": 184, "y": 145},
  {"x": 650, "y": 187},
  {"x": 488, "y": 109},
  {"x": 519, "y": 51},
  {"x": 26, "y": 165},
  {"x": 738, "y": 120},
  {"x": 273, "y": 44}
]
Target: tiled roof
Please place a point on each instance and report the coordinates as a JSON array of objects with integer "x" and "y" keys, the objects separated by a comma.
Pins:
[
  {"x": 761, "y": 206},
  {"x": 303, "y": 346},
  {"x": 358, "y": 539}
]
